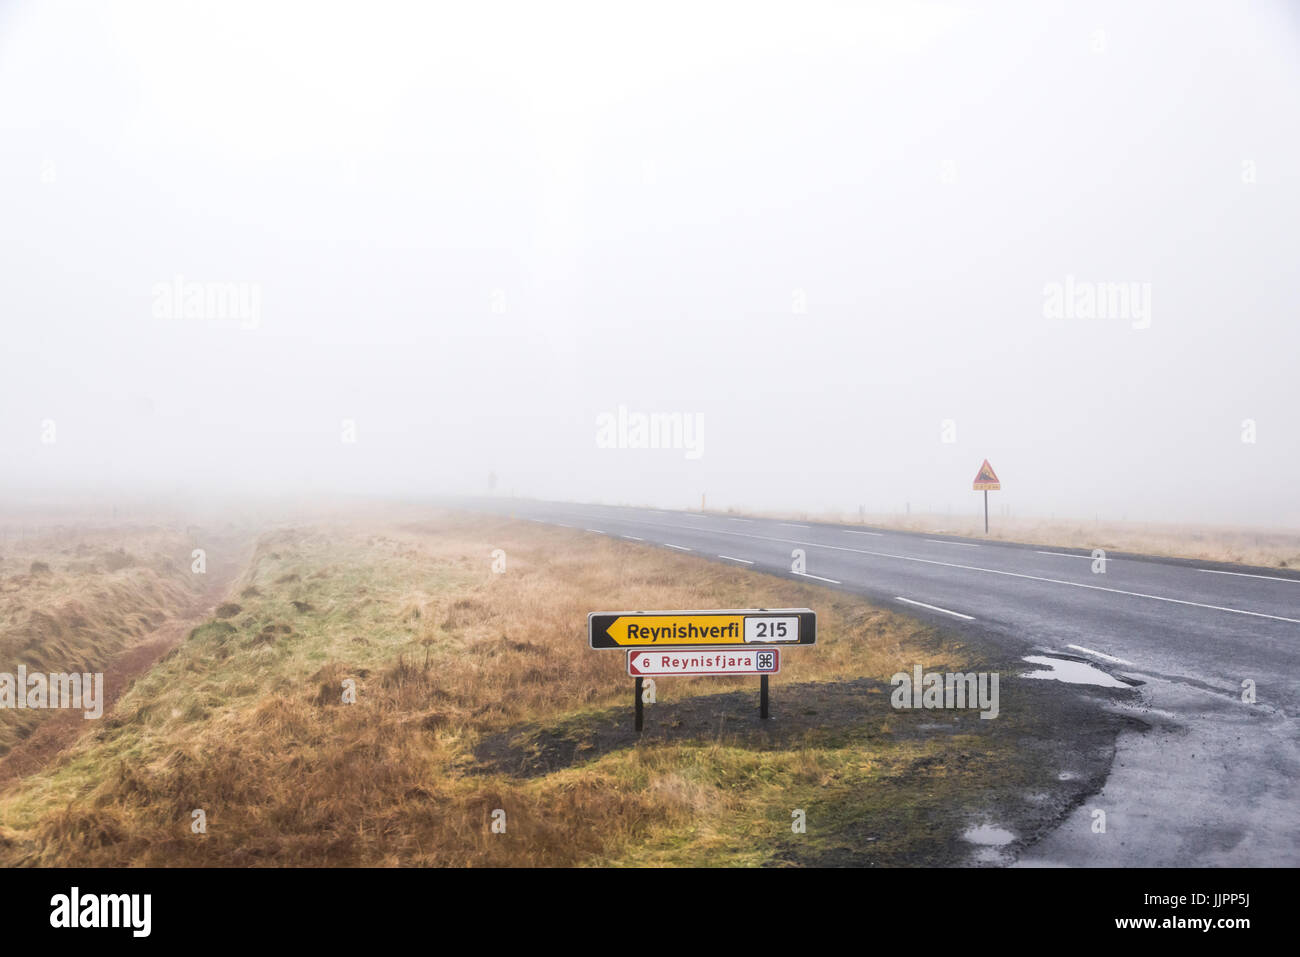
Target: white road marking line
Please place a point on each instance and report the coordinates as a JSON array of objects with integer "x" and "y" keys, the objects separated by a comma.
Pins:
[
  {"x": 998, "y": 571},
  {"x": 1089, "y": 651},
  {"x": 1272, "y": 578},
  {"x": 742, "y": 520},
  {"x": 692, "y": 515},
  {"x": 562, "y": 525},
  {"x": 1062, "y": 554},
  {"x": 819, "y": 578},
  {"x": 634, "y": 538},
  {"x": 793, "y": 525},
  {"x": 940, "y": 541},
  {"x": 732, "y": 558},
  {"x": 679, "y": 547},
  {"x": 596, "y": 530},
  {"x": 955, "y": 614},
  {"x": 852, "y": 532}
]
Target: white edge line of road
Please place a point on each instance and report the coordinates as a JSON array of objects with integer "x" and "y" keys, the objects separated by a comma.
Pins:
[
  {"x": 1089, "y": 651},
  {"x": 955, "y": 614},
  {"x": 1062, "y": 554},
  {"x": 732, "y": 558},
  {"x": 819, "y": 578},
  {"x": 852, "y": 532},
  {"x": 1272, "y": 578},
  {"x": 995, "y": 571},
  {"x": 678, "y": 547},
  {"x": 596, "y": 530},
  {"x": 1009, "y": 574},
  {"x": 634, "y": 538},
  {"x": 940, "y": 541}
]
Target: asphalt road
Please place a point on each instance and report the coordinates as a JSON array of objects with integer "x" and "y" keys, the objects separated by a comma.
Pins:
[{"x": 1212, "y": 780}]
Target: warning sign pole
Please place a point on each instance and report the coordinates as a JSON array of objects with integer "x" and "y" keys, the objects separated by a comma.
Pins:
[{"x": 986, "y": 480}]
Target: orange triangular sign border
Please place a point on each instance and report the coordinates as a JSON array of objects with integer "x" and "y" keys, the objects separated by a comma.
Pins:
[{"x": 987, "y": 479}]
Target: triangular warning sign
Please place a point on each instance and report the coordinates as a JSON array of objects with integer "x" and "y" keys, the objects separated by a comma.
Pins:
[{"x": 986, "y": 479}]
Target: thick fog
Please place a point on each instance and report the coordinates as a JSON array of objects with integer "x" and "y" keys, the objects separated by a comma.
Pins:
[{"x": 415, "y": 249}]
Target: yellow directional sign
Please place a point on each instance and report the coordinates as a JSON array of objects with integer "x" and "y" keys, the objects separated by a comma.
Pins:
[
  {"x": 678, "y": 630},
  {"x": 749, "y": 626}
]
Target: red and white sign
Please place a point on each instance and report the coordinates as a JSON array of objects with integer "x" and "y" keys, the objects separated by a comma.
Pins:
[
  {"x": 986, "y": 480},
  {"x": 704, "y": 661}
]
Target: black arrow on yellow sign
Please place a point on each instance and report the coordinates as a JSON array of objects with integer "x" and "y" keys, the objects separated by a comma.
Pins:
[{"x": 702, "y": 629}]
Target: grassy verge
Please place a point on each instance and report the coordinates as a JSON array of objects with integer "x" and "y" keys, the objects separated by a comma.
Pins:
[
  {"x": 68, "y": 607},
  {"x": 476, "y": 694}
]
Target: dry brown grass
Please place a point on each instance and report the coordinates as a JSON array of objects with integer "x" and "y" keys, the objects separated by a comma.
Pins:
[
  {"x": 245, "y": 719},
  {"x": 74, "y": 604}
]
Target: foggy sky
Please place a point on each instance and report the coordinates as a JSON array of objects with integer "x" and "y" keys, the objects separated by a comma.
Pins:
[{"x": 471, "y": 230}]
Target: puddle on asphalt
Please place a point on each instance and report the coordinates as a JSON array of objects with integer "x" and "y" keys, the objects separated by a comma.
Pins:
[
  {"x": 988, "y": 836},
  {"x": 1072, "y": 672}
]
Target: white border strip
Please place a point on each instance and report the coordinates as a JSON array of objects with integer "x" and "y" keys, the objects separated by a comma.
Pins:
[{"x": 955, "y": 614}]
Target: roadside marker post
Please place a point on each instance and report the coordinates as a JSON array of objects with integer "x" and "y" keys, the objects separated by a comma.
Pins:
[
  {"x": 744, "y": 641},
  {"x": 986, "y": 480}
]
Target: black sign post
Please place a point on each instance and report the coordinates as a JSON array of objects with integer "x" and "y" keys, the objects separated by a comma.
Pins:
[{"x": 639, "y": 706}]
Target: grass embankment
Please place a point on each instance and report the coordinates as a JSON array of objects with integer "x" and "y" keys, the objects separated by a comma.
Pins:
[
  {"x": 75, "y": 606},
  {"x": 476, "y": 692}
]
